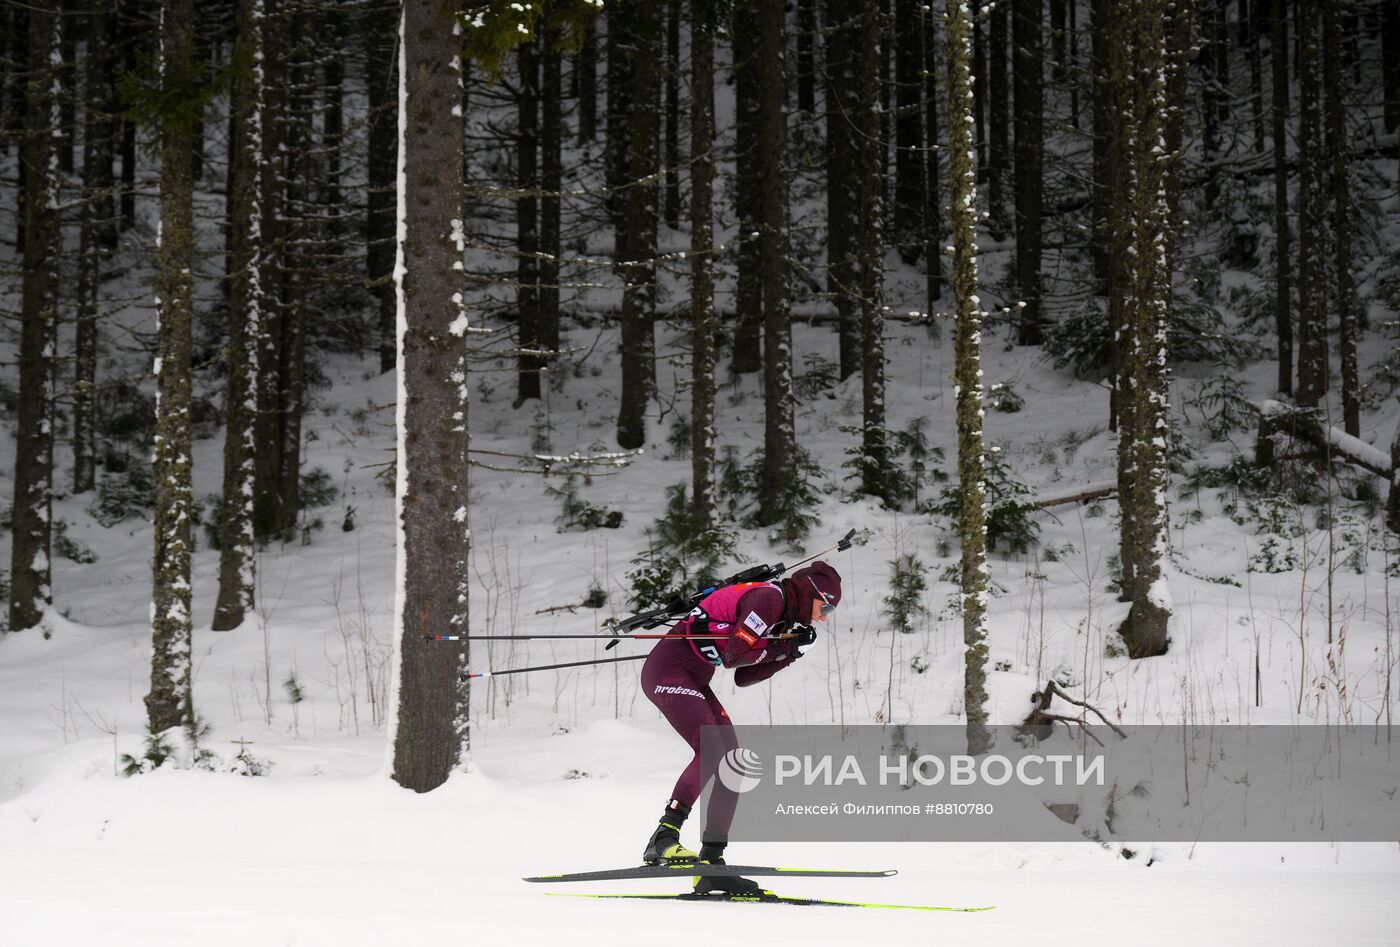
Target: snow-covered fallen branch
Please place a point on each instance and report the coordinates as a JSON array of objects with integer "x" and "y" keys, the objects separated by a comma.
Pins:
[{"x": 1305, "y": 425}]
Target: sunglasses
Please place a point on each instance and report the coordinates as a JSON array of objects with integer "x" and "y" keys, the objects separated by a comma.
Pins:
[{"x": 827, "y": 605}]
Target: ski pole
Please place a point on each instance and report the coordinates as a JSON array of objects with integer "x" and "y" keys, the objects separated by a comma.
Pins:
[{"x": 551, "y": 667}]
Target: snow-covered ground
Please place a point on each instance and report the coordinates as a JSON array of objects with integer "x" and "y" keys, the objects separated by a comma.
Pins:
[{"x": 569, "y": 768}]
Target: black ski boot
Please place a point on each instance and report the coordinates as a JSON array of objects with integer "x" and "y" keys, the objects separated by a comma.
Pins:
[
  {"x": 664, "y": 847},
  {"x": 712, "y": 853}
]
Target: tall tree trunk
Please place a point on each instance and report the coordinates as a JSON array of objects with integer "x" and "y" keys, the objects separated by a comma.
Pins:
[
  {"x": 1100, "y": 100},
  {"x": 999, "y": 118},
  {"x": 972, "y": 527},
  {"x": 237, "y": 552},
  {"x": 748, "y": 199},
  {"x": 586, "y": 69},
  {"x": 616, "y": 148},
  {"x": 1214, "y": 109},
  {"x": 268, "y": 428},
  {"x": 672, "y": 160},
  {"x": 806, "y": 65},
  {"x": 1390, "y": 65},
  {"x": 1030, "y": 147},
  {"x": 1143, "y": 376},
  {"x": 640, "y": 22},
  {"x": 842, "y": 210},
  {"x": 67, "y": 128},
  {"x": 92, "y": 249},
  {"x": 702, "y": 288},
  {"x": 295, "y": 271},
  {"x": 770, "y": 76},
  {"x": 31, "y": 592},
  {"x": 378, "y": 29},
  {"x": 169, "y": 703},
  {"x": 1339, "y": 147},
  {"x": 980, "y": 85},
  {"x": 551, "y": 182},
  {"x": 875, "y": 459},
  {"x": 1256, "y": 77},
  {"x": 333, "y": 111},
  {"x": 133, "y": 26},
  {"x": 1312, "y": 213},
  {"x": 1283, "y": 292},
  {"x": 429, "y": 728},
  {"x": 909, "y": 164},
  {"x": 527, "y": 222},
  {"x": 933, "y": 213}
]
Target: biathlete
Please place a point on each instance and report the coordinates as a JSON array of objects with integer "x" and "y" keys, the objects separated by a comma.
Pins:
[{"x": 676, "y": 678}]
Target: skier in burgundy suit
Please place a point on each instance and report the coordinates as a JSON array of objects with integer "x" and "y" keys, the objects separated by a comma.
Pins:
[{"x": 676, "y": 678}]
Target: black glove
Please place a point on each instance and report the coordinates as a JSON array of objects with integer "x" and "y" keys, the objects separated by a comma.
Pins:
[{"x": 804, "y": 636}]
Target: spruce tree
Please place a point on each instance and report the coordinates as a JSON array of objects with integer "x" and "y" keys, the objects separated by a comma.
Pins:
[
  {"x": 429, "y": 734},
  {"x": 246, "y": 296},
  {"x": 169, "y": 701},
  {"x": 972, "y": 527},
  {"x": 31, "y": 592},
  {"x": 1029, "y": 62},
  {"x": 639, "y": 24},
  {"x": 702, "y": 289}
]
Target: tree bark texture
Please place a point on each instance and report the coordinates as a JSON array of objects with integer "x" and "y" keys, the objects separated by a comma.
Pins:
[
  {"x": 770, "y": 75},
  {"x": 909, "y": 164},
  {"x": 430, "y": 732},
  {"x": 1144, "y": 238},
  {"x": 972, "y": 528},
  {"x": 31, "y": 527},
  {"x": 237, "y": 550},
  {"x": 639, "y": 24},
  {"x": 1029, "y": 63},
  {"x": 168, "y": 703},
  {"x": 702, "y": 287},
  {"x": 842, "y": 206}
]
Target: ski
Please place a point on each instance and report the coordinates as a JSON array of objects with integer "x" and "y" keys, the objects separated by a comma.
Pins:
[
  {"x": 692, "y": 869},
  {"x": 769, "y": 897}
]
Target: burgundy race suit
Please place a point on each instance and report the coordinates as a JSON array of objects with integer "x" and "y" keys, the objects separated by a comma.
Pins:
[{"x": 676, "y": 675}]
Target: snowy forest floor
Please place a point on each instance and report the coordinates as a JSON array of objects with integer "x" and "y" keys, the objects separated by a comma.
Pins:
[{"x": 569, "y": 768}]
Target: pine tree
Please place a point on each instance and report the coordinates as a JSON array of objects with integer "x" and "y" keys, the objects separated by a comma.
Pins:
[
  {"x": 32, "y": 513},
  {"x": 806, "y": 65},
  {"x": 169, "y": 702},
  {"x": 933, "y": 213},
  {"x": 770, "y": 147},
  {"x": 972, "y": 527},
  {"x": 639, "y": 24},
  {"x": 378, "y": 26},
  {"x": 527, "y": 221},
  {"x": 586, "y": 73},
  {"x": 998, "y": 166},
  {"x": 1312, "y": 215},
  {"x": 876, "y": 477},
  {"x": 430, "y": 724},
  {"x": 672, "y": 159},
  {"x": 1030, "y": 145},
  {"x": 1142, "y": 233},
  {"x": 842, "y": 205},
  {"x": 909, "y": 203},
  {"x": 748, "y": 197},
  {"x": 1339, "y": 148},
  {"x": 551, "y": 183},
  {"x": 1283, "y": 265},
  {"x": 702, "y": 290},
  {"x": 93, "y": 241},
  {"x": 246, "y": 296}
]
